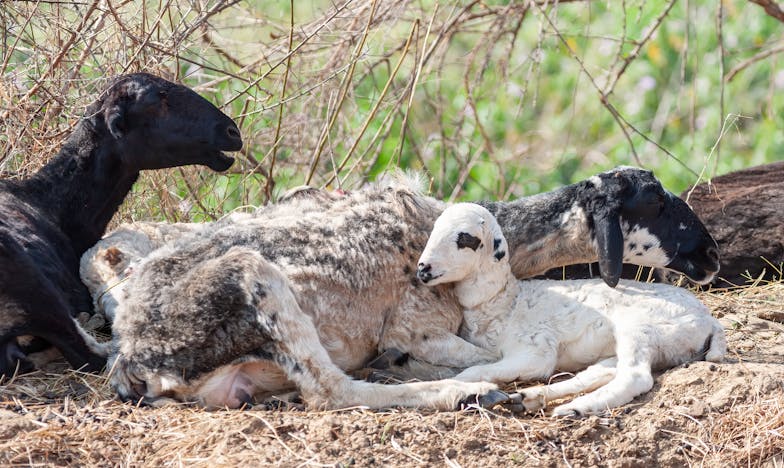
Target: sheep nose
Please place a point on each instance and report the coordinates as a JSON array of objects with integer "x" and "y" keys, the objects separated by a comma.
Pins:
[
  {"x": 233, "y": 133},
  {"x": 424, "y": 272},
  {"x": 713, "y": 254},
  {"x": 133, "y": 392},
  {"x": 229, "y": 137}
]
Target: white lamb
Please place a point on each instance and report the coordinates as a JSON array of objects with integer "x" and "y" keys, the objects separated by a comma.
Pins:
[{"x": 613, "y": 337}]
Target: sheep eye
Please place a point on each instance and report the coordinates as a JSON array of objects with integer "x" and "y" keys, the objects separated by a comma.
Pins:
[{"x": 466, "y": 240}]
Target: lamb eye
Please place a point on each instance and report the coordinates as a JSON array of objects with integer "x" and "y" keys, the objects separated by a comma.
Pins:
[{"x": 466, "y": 240}]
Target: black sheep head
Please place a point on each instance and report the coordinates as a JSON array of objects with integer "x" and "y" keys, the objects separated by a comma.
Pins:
[{"x": 158, "y": 124}]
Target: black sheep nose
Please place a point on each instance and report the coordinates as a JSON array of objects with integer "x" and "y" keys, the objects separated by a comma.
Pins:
[
  {"x": 233, "y": 133},
  {"x": 713, "y": 254},
  {"x": 229, "y": 137},
  {"x": 423, "y": 272}
]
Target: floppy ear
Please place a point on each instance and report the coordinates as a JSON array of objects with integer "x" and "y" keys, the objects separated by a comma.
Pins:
[
  {"x": 500, "y": 245},
  {"x": 609, "y": 240}
]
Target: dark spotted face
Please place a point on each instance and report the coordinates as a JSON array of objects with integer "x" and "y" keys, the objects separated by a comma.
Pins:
[
  {"x": 467, "y": 241},
  {"x": 656, "y": 227}
]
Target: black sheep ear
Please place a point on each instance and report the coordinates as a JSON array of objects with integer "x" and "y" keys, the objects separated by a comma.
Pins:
[
  {"x": 123, "y": 97},
  {"x": 609, "y": 240},
  {"x": 115, "y": 121}
]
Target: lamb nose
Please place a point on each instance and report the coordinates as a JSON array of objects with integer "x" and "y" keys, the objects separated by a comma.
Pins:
[{"x": 423, "y": 272}]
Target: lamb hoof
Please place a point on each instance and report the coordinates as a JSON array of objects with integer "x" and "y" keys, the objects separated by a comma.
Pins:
[
  {"x": 487, "y": 400},
  {"x": 568, "y": 413}
]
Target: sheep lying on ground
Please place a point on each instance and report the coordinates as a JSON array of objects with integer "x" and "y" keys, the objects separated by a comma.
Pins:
[
  {"x": 614, "y": 337},
  {"x": 743, "y": 211},
  {"x": 194, "y": 318},
  {"x": 49, "y": 220}
]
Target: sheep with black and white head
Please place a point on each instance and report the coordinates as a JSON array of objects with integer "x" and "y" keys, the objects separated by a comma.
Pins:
[
  {"x": 342, "y": 253},
  {"x": 612, "y": 337}
]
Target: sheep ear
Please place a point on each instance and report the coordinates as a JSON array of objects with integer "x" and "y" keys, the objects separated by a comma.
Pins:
[
  {"x": 115, "y": 121},
  {"x": 609, "y": 240},
  {"x": 122, "y": 97},
  {"x": 499, "y": 249}
]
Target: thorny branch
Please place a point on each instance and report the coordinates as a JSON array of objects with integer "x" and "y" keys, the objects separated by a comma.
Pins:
[{"x": 342, "y": 95}]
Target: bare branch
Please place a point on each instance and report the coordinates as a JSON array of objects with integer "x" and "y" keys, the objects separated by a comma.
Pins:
[{"x": 771, "y": 8}]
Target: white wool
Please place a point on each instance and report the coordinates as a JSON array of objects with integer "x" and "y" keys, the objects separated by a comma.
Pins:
[{"x": 613, "y": 336}]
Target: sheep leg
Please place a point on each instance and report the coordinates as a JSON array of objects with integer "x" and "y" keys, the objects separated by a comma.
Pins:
[
  {"x": 54, "y": 323},
  {"x": 81, "y": 350},
  {"x": 530, "y": 365},
  {"x": 633, "y": 376},
  {"x": 442, "y": 348},
  {"x": 536, "y": 398},
  {"x": 388, "y": 367},
  {"x": 293, "y": 343},
  {"x": 57, "y": 328},
  {"x": 31, "y": 304}
]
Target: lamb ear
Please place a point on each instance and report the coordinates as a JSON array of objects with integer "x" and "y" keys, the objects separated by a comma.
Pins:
[
  {"x": 609, "y": 240},
  {"x": 499, "y": 248}
]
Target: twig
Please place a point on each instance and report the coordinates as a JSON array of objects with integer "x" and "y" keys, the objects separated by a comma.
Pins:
[
  {"x": 373, "y": 111},
  {"x": 720, "y": 40},
  {"x": 752, "y": 60},
  {"x": 342, "y": 97},
  {"x": 276, "y": 140},
  {"x": 771, "y": 8},
  {"x": 604, "y": 99},
  {"x": 640, "y": 44}
]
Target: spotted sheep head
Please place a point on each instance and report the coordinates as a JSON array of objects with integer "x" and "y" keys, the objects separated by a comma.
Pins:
[
  {"x": 466, "y": 239},
  {"x": 635, "y": 220}
]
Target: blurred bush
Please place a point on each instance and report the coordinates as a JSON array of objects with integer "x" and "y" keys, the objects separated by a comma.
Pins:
[{"x": 494, "y": 99}]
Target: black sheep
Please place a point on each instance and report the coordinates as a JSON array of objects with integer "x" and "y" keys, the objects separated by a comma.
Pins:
[{"x": 49, "y": 219}]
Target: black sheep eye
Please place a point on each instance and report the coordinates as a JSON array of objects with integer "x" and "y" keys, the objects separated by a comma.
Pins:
[{"x": 466, "y": 240}]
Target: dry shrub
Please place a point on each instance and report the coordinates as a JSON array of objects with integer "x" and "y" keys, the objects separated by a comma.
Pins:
[{"x": 337, "y": 92}]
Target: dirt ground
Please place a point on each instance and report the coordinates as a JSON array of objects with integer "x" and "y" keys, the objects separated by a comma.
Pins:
[{"x": 703, "y": 414}]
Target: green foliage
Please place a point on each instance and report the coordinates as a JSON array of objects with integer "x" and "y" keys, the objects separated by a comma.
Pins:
[{"x": 505, "y": 100}]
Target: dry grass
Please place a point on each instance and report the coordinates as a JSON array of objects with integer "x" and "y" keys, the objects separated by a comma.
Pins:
[
  {"x": 704, "y": 415},
  {"x": 332, "y": 98}
]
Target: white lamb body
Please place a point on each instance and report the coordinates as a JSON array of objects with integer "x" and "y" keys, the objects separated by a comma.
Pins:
[{"x": 539, "y": 326}]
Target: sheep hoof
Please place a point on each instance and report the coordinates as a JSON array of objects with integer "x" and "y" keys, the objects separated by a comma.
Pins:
[
  {"x": 487, "y": 400},
  {"x": 568, "y": 413}
]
